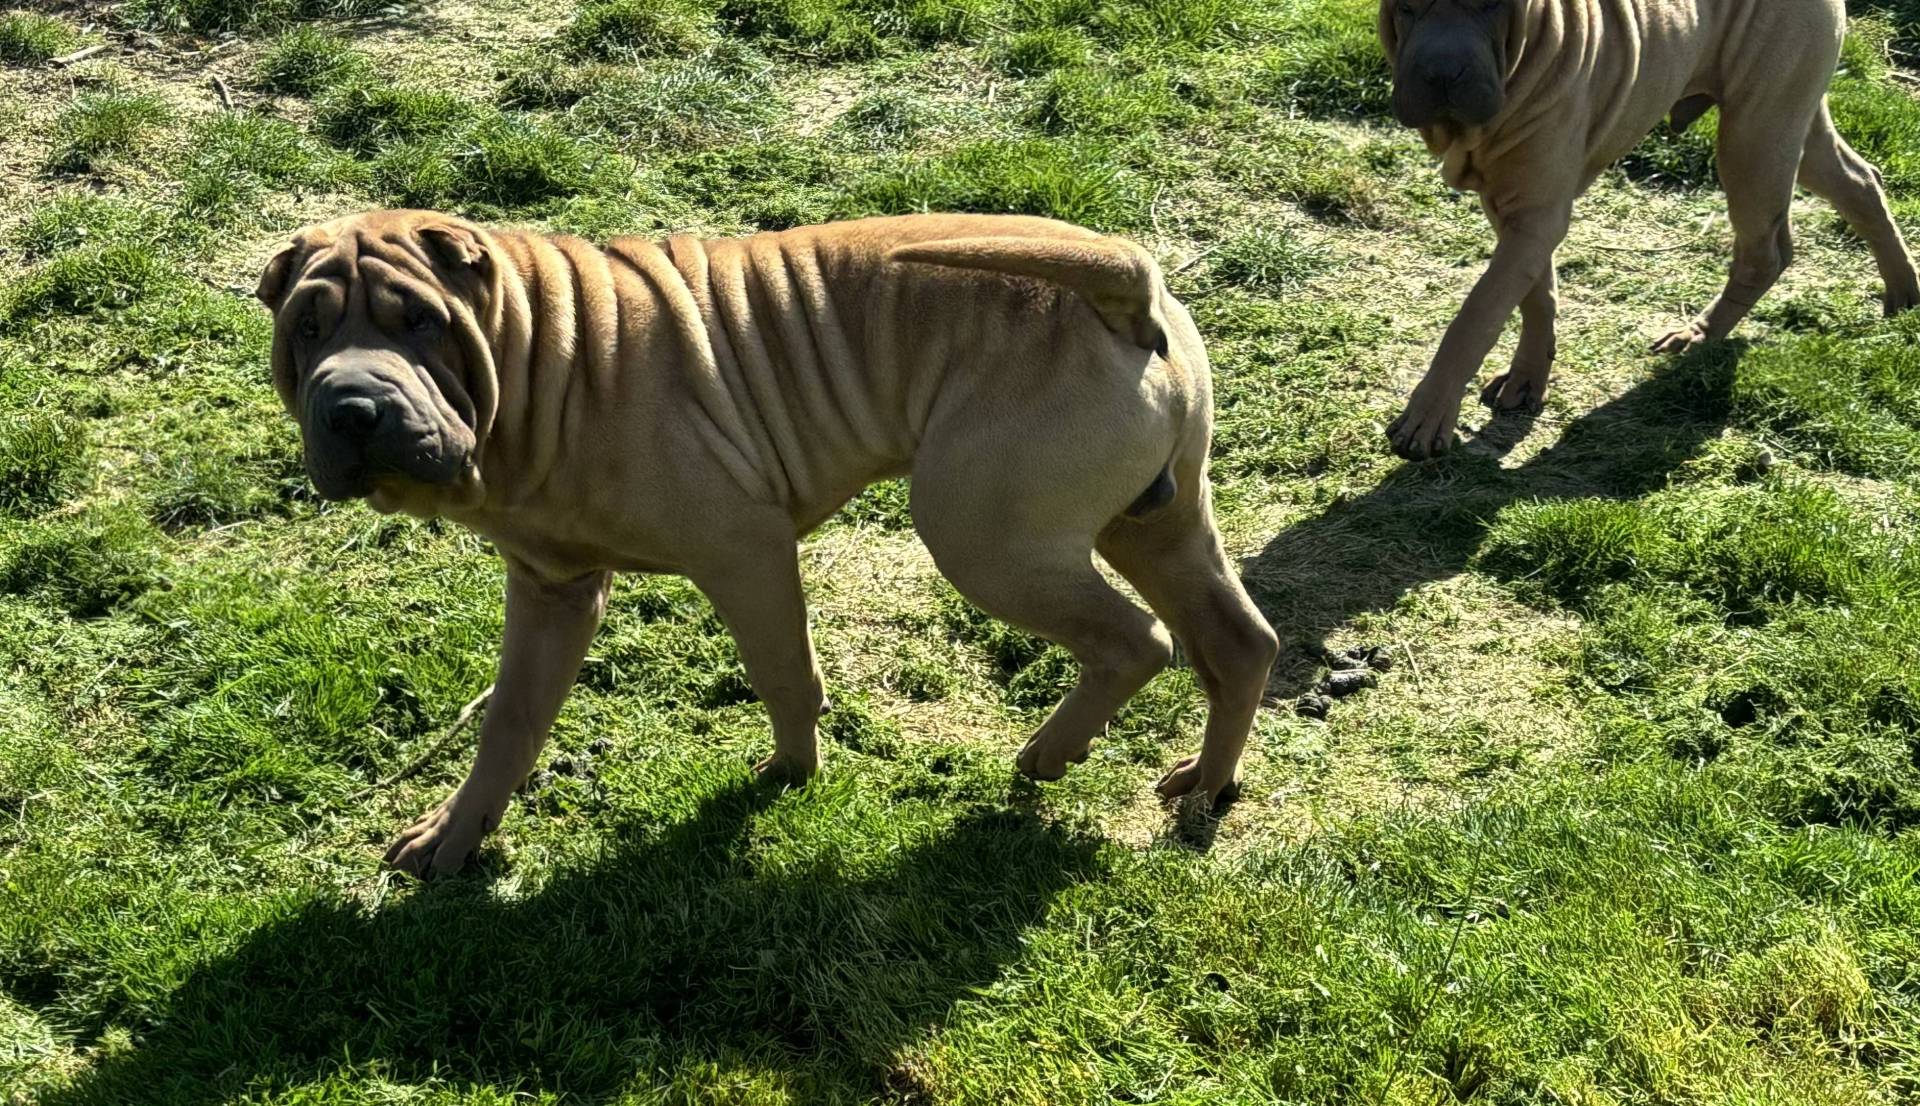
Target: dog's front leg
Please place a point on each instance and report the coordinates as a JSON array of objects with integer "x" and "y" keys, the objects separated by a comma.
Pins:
[
  {"x": 548, "y": 629},
  {"x": 1521, "y": 262},
  {"x": 755, "y": 588}
]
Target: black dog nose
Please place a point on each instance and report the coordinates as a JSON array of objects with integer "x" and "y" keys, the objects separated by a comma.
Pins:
[
  {"x": 353, "y": 417},
  {"x": 1442, "y": 79}
]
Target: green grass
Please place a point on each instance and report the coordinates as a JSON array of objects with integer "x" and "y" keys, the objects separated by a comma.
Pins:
[
  {"x": 1042, "y": 50},
  {"x": 43, "y": 462},
  {"x": 626, "y": 29},
  {"x": 1266, "y": 260},
  {"x": 1030, "y": 177},
  {"x": 86, "y": 565},
  {"x": 235, "y": 15},
  {"x": 308, "y": 60},
  {"x": 1634, "y": 818},
  {"x": 102, "y": 126},
  {"x": 86, "y": 280},
  {"x": 678, "y": 105},
  {"x": 30, "y": 38}
]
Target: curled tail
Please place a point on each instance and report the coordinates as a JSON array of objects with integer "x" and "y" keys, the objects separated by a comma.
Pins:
[{"x": 1118, "y": 279}]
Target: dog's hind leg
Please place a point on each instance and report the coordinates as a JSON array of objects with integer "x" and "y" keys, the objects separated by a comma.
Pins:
[
  {"x": 1041, "y": 578},
  {"x": 1757, "y": 171},
  {"x": 1177, "y": 562},
  {"x": 1832, "y": 170}
]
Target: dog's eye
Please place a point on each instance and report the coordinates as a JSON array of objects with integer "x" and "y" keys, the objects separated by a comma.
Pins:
[
  {"x": 308, "y": 327},
  {"x": 420, "y": 320}
]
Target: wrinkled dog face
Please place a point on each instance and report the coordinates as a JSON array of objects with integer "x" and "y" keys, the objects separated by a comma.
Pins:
[
  {"x": 1449, "y": 58},
  {"x": 375, "y": 350}
]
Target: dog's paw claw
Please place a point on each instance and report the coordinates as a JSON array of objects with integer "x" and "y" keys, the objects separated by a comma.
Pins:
[
  {"x": 784, "y": 771},
  {"x": 1682, "y": 340},
  {"x": 442, "y": 841},
  {"x": 1190, "y": 778},
  {"x": 1511, "y": 392},
  {"x": 1038, "y": 761},
  {"x": 1424, "y": 429}
]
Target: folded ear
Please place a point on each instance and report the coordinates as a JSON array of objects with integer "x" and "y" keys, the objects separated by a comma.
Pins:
[
  {"x": 1389, "y": 35},
  {"x": 456, "y": 247},
  {"x": 274, "y": 278}
]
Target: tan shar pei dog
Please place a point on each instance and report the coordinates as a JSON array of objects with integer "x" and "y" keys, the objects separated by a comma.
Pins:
[
  {"x": 694, "y": 407},
  {"x": 1527, "y": 101}
]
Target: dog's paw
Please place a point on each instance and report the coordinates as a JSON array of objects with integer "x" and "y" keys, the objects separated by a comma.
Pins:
[
  {"x": 1040, "y": 759},
  {"x": 1691, "y": 336},
  {"x": 1900, "y": 299},
  {"x": 1516, "y": 390},
  {"x": 1425, "y": 429},
  {"x": 443, "y": 840},
  {"x": 785, "y": 771},
  {"x": 1192, "y": 778}
]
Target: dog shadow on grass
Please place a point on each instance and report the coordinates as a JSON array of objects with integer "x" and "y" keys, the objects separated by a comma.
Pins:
[
  {"x": 676, "y": 960},
  {"x": 1425, "y": 522}
]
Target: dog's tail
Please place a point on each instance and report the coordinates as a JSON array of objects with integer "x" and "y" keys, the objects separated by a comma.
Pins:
[{"x": 1117, "y": 278}]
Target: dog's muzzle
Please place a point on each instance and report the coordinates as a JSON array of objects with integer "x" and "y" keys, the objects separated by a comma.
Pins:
[
  {"x": 358, "y": 431},
  {"x": 1443, "y": 86}
]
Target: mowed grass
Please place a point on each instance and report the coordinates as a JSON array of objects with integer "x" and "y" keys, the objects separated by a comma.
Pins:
[{"x": 1633, "y": 818}]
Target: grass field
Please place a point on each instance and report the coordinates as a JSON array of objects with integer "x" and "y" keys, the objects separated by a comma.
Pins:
[{"x": 1635, "y": 818}]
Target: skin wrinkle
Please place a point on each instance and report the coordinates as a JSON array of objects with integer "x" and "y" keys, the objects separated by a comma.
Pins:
[
  {"x": 800, "y": 355},
  {"x": 856, "y": 412},
  {"x": 682, "y": 275},
  {"x": 794, "y": 373},
  {"x": 788, "y": 272},
  {"x": 514, "y": 389},
  {"x": 760, "y": 394},
  {"x": 591, "y": 359},
  {"x": 547, "y": 369},
  {"x": 681, "y": 278}
]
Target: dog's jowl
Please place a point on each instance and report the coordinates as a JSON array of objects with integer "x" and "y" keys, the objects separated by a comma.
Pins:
[{"x": 695, "y": 406}]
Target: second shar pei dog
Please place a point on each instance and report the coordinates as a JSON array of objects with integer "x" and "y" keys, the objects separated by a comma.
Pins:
[
  {"x": 1527, "y": 101},
  {"x": 695, "y": 406}
]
